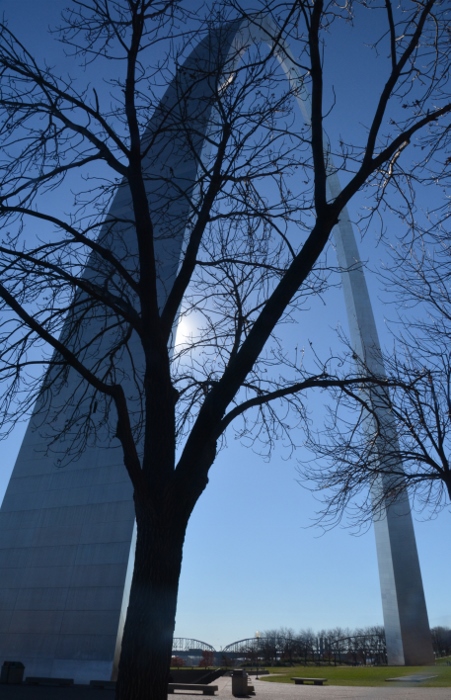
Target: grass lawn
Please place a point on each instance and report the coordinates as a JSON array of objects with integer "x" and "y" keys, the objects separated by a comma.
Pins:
[{"x": 364, "y": 675}]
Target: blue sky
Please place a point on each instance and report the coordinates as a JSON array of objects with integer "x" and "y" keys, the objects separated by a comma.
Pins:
[{"x": 252, "y": 559}]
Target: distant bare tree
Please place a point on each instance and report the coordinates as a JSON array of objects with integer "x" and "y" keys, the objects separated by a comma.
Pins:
[{"x": 441, "y": 641}]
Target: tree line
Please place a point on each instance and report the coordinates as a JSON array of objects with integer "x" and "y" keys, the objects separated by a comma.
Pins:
[{"x": 360, "y": 645}]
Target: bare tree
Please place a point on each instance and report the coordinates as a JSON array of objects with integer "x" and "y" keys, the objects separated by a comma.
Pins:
[
  {"x": 418, "y": 450},
  {"x": 418, "y": 279},
  {"x": 90, "y": 298},
  {"x": 441, "y": 639},
  {"x": 326, "y": 646}
]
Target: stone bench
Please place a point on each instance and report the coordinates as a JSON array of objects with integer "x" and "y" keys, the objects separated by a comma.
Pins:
[
  {"x": 204, "y": 687},
  {"x": 315, "y": 681}
]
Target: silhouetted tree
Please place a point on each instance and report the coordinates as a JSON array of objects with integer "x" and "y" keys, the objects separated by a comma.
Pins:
[{"x": 418, "y": 450}]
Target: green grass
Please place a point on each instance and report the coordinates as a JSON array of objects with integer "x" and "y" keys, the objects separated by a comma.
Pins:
[
  {"x": 444, "y": 660},
  {"x": 364, "y": 675}
]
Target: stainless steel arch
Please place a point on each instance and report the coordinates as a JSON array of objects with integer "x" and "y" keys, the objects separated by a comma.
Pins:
[{"x": 63, "y": 600}]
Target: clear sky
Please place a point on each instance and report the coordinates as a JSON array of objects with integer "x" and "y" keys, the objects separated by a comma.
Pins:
[{"x": 252, "y": 560}]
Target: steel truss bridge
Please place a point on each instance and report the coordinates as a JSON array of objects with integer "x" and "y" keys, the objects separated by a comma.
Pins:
[{"x": 194, "y": 650}]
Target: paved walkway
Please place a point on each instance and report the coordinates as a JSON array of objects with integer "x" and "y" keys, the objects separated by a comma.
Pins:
[
  {"x": 264, "y": 691},
  {"x": 286, "y": 691}
]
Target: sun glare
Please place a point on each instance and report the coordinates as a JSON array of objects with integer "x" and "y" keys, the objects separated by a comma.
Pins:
[{"x": 184, "y": 331}]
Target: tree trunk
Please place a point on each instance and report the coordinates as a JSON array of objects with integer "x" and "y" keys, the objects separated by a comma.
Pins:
[{"x": 147, "y": 640}]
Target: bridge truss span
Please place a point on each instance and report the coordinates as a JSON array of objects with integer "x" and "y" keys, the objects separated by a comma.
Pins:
[{"x": 184, "y": 644}]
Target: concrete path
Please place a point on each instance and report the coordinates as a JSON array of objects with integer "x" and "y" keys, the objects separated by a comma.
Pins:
[
  {"x": 264, "y": 691},
  {"x": 285, "y": 691}
]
